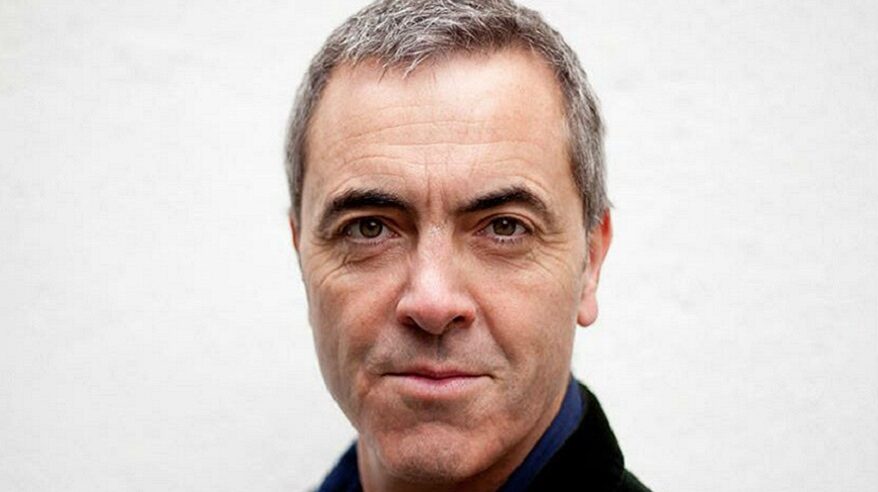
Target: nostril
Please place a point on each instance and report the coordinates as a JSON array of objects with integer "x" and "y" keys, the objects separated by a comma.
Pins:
[
  {"x": 410, "y": 322},
  {"x": 435, "y": 326}
]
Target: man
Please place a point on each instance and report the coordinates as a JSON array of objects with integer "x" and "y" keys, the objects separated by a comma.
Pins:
[{"x": 449, "y": 213}]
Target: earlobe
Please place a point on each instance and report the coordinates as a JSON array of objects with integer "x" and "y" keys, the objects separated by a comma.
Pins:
[{"x": 599, "y": 238}]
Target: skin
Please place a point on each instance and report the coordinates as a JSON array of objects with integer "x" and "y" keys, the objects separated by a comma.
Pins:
[{"x": 413, "y": 273}]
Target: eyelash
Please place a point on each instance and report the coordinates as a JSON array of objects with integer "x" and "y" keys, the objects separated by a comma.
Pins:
[
  {"x": 345, "y": 231},
  {"x": 506, "y": 240}
]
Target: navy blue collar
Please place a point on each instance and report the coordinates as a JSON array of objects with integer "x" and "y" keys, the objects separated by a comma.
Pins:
[
  {"x": 562, "y": 427},
  {"x": 345, "y": 477}
]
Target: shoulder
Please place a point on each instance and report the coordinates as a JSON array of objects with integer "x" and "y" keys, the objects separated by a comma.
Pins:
[
  {"x": 630, "y": 483},
  {"x": 590, "y": 459}
]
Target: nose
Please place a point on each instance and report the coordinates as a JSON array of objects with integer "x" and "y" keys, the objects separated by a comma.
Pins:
[{"x": 435, "y": 299}]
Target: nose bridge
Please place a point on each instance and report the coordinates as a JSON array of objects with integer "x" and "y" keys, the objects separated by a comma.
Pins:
[
  {"x": 432, "y": 272},
  {"x": 435, "y": 298}
]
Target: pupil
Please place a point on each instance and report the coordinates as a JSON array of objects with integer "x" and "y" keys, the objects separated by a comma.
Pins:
[
  {"x": 370, "y": 228},
  {"x": 504, "y": 227}
]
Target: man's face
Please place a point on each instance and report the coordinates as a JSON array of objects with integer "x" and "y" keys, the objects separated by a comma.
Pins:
[{"x": 445, "y": 260}]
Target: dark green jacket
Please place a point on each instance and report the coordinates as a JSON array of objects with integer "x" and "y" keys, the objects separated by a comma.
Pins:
[{"x": 590, "y": 460}]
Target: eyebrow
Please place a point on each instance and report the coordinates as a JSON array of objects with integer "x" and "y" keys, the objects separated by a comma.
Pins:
[
  {"x": 356, "y": 199},
  {"x": 505, "y": 196}
]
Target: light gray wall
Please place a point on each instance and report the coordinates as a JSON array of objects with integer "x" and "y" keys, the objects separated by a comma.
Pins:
[{"x": 152, "y": 329}]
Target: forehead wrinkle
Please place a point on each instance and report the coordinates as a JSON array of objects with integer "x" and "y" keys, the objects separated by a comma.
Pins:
[
  {"x": 426, "y": 133},
  {"x": 431, "y": 122},
  {"x": 343, "y": 149}
]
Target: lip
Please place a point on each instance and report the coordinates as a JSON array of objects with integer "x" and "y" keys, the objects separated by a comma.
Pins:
[{"x": 436, "y": 383}]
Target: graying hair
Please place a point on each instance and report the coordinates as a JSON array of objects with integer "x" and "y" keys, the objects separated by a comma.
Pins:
[{"x": 404, "y": 33}]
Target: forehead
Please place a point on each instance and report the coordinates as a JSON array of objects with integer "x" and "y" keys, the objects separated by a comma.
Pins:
[{"x": 462, "y": 122}]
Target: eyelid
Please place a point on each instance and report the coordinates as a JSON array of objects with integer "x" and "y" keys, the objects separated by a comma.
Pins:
[
  {"x": 525, "y": 225},
  {"x": 387, "y": 228}
]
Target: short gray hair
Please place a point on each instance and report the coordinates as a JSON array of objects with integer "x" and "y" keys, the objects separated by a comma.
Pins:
[{"x": 404, "y": 33}]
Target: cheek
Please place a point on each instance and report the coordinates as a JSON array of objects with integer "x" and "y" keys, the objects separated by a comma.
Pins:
[
  {"x": 532, "y": 327},
  {"x": 348, "y": 314},
  {"x": 531, "y": 313}
]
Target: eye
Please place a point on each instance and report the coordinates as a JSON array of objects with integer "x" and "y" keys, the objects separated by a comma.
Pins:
[
  {"x": 365, "y": 228},
  {"x": 506, "y": 228}
]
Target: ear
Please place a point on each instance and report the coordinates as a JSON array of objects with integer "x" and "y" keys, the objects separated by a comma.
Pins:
[
  {"x": 599, "y": 238},
  {"x": 294, "y": 229}
]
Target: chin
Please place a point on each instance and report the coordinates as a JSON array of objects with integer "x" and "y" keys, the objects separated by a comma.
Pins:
[{"x": 432, "y": 456}]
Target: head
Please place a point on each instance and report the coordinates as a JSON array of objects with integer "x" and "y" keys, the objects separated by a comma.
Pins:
[{"x": 448, "y": 208}]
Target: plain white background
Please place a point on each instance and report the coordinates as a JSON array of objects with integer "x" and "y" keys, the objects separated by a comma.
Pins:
[{"x": 153, "y": 332}]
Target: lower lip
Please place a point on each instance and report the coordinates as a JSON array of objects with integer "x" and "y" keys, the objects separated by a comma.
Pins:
[{"x": 436, "y": 388}]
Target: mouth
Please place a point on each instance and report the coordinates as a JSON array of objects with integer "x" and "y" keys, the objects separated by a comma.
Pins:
[{"x": 436, "y": 383}]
